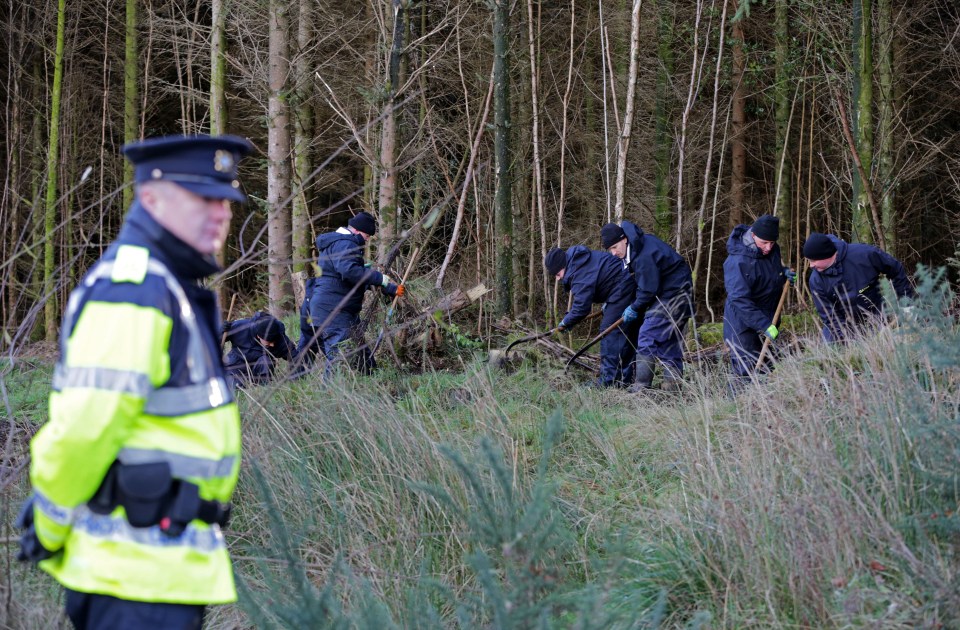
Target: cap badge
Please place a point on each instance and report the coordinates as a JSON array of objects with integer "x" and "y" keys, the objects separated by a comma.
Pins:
[{"x": 223, "y": 161}]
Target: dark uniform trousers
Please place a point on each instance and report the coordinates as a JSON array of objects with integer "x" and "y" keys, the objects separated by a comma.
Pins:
[{"x": 89, "y": 611}]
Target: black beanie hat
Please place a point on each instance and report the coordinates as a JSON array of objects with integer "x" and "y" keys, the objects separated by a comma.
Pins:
[
  {"x": 818, "y": 247},
  {"x": 364, "y": 222},
  {"x": 268, "y": 327},
  {"x": 767, "y": 227},
  {"x": 611, "y": 234},
  {"x": 555, "y": 260}
]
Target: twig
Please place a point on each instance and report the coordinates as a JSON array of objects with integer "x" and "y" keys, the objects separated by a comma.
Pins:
[{"x": 877, "y": 225}]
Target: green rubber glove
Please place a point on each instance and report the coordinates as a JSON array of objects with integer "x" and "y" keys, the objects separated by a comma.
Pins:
[{"x": 771, "y": 332}]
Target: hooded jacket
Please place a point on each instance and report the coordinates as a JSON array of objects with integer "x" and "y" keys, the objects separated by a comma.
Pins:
[
  {"x": 247, "y": 352},
  {"x": 340, "y": 258},
  {"x": 662, "y": 276},
  {"x": 754, "y": 283},
  {"x": 848, "y": 292},
  {"x": 594, "y": 278}
]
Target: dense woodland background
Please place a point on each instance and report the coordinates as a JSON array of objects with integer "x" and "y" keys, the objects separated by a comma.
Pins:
[{"x": 482, "y": 133}]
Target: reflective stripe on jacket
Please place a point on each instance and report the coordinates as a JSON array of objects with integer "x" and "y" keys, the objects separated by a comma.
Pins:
[{"x": 140, "y": 380}]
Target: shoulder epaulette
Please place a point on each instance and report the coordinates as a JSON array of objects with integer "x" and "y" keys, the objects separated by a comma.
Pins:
[{"x": 130, "y": 264}]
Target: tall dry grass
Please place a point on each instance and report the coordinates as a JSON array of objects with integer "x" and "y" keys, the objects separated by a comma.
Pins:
[{"x": 825, "y": 496}]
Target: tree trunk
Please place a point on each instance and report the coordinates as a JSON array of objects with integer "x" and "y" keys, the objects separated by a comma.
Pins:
[
  {"x": 387, "y": 199},
  {"x": 738, "y": 118},
  {"x": 562, "y": 203},
  {"x": 862, "y": 118},
  {"x": 218, "y": 68},
  {"x": 696, "y": 69},
  {"x": 11, "y": 206},
  {"x": 303, "y": 138},
  {"x": 623, "y": 143},
  {"x": 663, "y": 218},
  {"x": 782, "y": 116},
  {"x": 131, "y": 69},
  {"x": 419, "y": 199},
  {"x": 278, "y": 161},
  {"x": 50, "y": 309},
  {"x": 538, "y": 212},
  {"x": 218, "y": 106},
  {"x": 501, "y": 112},
  {"x": 885, "y": 110}
]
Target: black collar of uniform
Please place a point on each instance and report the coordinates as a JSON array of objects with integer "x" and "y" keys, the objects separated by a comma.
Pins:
[{"x": 183, "y": 260}]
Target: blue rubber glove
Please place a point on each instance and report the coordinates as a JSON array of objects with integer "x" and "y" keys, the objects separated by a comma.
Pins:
[
  {"x": 791, "y": 275},
  {"x": 771, "y": 332},
  {"x": 629, "y": 314},
  {"x": 31, "y": 549}
]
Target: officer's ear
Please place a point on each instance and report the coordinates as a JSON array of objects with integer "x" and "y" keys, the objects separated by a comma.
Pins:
[{"x": 149, "y": 194}]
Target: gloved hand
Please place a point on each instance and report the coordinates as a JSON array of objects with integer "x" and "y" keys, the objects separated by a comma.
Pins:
[
  {"x": 393, "y": 289},
  {"x": 791, "y": 275},
  {"x": 771, "y": 332},
  {"x": 31, "y": 550},
  {"x": 629, "y": 314},
  {"x": 400, "y": 290},
  {"x": 561, "y": 327}
]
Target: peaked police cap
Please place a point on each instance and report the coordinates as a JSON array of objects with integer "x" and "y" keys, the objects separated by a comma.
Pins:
[{"x": 205, "y": 165}]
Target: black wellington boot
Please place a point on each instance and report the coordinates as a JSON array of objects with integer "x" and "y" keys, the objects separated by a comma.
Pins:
[{"x": 644, "y": 375}]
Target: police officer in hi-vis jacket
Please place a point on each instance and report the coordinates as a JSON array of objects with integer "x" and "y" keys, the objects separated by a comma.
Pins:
[{"x": 133, "y": 473}]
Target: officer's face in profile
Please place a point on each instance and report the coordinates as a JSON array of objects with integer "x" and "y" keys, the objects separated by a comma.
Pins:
[
  {"x": 619, "y": 249},
  {"x": 823, "y": 265},
  {"x": 763, "y": 245},
  {"x": 200, "y": 222}
]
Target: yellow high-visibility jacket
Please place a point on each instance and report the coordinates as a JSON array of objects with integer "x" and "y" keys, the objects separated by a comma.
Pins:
[{"x": 139, "y": 380}]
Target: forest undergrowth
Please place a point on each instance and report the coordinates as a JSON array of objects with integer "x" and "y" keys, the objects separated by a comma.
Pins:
[{"x": 825, "y": 496}]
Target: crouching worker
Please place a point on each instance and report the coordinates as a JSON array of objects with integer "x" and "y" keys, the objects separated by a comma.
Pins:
[
  {"x": 258, "y": 343},
  {"x": 599, "y": 278},
  {"x": 663, "y": 300},
  {"x": 845, "y": 283},
  {"x": 133, "y": 473}
]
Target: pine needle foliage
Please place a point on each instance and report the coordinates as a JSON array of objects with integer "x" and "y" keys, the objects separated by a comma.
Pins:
[{"x": 517, "y": 543}]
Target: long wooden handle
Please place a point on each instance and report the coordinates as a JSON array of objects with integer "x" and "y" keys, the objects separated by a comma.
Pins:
[
  {"x": 776, "y": 316},
  {"x": 535, "y": 336},
  {"x": 223, "y": 337},
  {"x": 403, "y": 280},
  {"x": 609, "y": 329},
  {"x": 393, "y": 304}
]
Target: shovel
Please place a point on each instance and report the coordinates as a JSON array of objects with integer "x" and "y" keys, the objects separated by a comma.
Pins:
[
  {"x": 536, "y": 336},
  {"x": 609, "y": 329},
  {"x": 776, "y": 316}
]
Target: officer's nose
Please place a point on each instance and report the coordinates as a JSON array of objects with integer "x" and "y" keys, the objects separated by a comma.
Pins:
[{"x": 220, "y": 209}]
